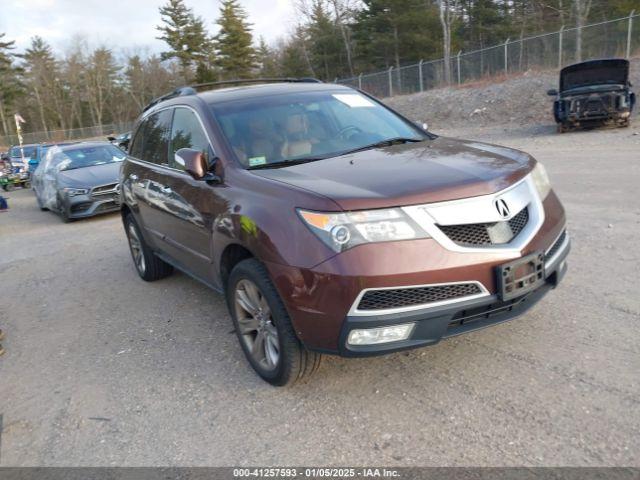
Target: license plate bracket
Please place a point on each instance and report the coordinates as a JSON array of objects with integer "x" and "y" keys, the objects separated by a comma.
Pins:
[{"x": 520, "y": 276}]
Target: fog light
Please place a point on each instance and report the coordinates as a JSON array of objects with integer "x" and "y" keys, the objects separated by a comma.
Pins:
[{"x": 372, "y": 336}]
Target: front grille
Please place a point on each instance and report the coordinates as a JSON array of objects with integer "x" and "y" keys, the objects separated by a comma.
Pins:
[
  {"x": 556, "y": 246},
  {"x": 408, "y": 297},
  {"x": 483, "y": 234},
  {"x": 105, "y": 189}
]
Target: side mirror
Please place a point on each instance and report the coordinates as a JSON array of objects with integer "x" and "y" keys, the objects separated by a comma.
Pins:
[
  {"x": 552, "y": 93},
  {"x": 195, "y": 164},
  {"x": 111, "y": 139},
  {"x": 422, "y": 125}
]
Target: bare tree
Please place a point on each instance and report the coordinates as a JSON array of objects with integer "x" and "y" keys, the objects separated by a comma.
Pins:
[
  {"x": 449, "y": 12},
  {"x": 581, "y": 9},
  {"x": 343, "y": 10},
  {"x": 100, "y": 76}
]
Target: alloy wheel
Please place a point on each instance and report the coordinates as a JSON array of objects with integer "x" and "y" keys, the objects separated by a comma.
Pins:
[
  {"x": 255, "y": 323},
  {"x": 136, "y": 249}
]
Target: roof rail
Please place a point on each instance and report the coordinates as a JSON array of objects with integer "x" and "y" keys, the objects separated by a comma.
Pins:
[
  {"x": 193, "y": 89},
  {"x": 241, "y": 81},
  {"x": 178, "y": 92}
]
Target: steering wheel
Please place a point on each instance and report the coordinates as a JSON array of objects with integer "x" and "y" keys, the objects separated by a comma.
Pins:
[{"x": 343, "y": 133}]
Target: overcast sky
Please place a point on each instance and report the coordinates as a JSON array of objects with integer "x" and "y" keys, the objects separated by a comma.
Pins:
[{"x": 124, "y": 25}]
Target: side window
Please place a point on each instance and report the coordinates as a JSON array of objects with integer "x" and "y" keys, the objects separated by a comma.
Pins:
[
  {"x": 187, "y": 132},
  {"x": 137, "y": 142},
  {"x": 156, "y": 137}
]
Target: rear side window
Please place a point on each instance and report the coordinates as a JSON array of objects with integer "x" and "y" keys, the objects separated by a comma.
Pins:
[
  {"x": 156, "y": 137},
  {"x": 138, "y": 141},
  {"x": 187, "y": 132},
  {"x": 152, "y": 139}
]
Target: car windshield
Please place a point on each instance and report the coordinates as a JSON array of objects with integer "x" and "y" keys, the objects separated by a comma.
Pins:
[
  {"x": 29, "y": 151},
  {"x": 81, "y": 157},
  {"x": 308, "y": 126}
]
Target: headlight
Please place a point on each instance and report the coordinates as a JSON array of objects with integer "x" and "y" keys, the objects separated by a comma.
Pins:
[
  {"x": 541, "y": 180},
  {"x": 341, "y": 231},
  {"x": 72, "y": 192}
]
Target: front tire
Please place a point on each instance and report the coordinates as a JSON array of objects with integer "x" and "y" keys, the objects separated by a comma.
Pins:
[
  {"x": 148, "y": 265},
  {"x": 39, "y": 202},
  {"x": 264, "y": 328}
]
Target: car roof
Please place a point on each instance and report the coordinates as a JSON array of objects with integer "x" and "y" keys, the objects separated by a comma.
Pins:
[
  {"x": 261, "y": 90},
  {"x": 244, "y": 92}
]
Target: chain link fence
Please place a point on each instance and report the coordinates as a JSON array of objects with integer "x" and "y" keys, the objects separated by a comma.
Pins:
[
  {"x": 84, "y": 133},
  {"x": 613, "y": 38}
]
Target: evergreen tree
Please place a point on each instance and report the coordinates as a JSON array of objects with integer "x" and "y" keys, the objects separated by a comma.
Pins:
[
  {"x": 325, "y": 43},
  {"x": 235, "y": 54},
  {"x": 267, "y": 60},
  {"x": 397, "y": 32},
  {"x": 41, "y": 70},
  {"x": 186, "y": 36},
  {"x": 487, "y": 24},
  {"x": 10, "y": 84}
]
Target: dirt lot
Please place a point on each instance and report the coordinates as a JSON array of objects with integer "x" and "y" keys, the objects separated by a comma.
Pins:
[{"x": 104, "y": 369}]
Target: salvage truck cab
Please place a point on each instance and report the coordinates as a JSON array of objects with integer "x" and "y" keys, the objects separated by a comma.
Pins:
[
  {"x": 334, "y": 225},
  {"x": 597, "y": 92}
]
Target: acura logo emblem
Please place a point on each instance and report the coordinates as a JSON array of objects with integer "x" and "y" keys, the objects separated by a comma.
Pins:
[{"x": 502, "y": 207}]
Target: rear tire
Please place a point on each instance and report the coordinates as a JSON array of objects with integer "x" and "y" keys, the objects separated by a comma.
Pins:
[
  {"x": 266, "y": 336},
  {"x": 148, "y": 265}
]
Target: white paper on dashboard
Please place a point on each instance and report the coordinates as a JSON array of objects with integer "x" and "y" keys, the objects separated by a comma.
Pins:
[{"x": 353, "y": 100}]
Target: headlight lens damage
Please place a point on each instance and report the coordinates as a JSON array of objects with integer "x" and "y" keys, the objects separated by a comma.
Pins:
[
  {"x": 341, "y": 231},
  {"x": 541, "y": 180}
]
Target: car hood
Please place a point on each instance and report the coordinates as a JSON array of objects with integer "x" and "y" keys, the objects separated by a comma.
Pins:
[
  {"x": 90, "y": 176},
  {"x": 409, "y": 174},
  {"x": 613, "y": 71}
]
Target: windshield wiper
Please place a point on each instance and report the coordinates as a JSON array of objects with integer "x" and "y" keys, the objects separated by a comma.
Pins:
[
  {"x": 384, "y": 143},
  {"x": 285, "y": 163}
]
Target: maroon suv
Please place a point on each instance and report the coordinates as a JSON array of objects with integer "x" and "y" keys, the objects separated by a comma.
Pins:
[{"x": 333, "y": 224}]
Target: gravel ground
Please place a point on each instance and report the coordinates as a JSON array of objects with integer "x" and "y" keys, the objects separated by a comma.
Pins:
[{"x": 104, "y": 369}]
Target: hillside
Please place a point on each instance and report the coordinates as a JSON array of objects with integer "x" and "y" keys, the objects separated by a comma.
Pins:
[{"x": 513, "y": 101}]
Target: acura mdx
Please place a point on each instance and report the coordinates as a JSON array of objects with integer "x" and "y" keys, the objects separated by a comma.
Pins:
[{"x": 333, "y": 224}]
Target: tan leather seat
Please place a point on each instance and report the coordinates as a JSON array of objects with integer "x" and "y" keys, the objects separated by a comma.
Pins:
[
  {"x": 263, "y": 139},
  {"x": 297, "y": 143}
]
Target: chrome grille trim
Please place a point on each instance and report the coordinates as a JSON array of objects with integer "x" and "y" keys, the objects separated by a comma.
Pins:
[
  {"x": 355, "y": 311},
  {"x": 108, "y": 189},
  {"x": 481, "y": 209}
]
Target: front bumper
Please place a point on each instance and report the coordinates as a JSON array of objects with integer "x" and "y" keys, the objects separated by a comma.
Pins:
[
  {"x": 82, "y": 206},
  {"x": 436, "y": 323},
  {"x": 320, "y": 300}
]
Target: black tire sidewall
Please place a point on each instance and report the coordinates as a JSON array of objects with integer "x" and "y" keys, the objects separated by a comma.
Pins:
[
  {"x": 129, "y": 221},
  {"x": 252, "y": 270},
  {"x": 62, "y": 211}
]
